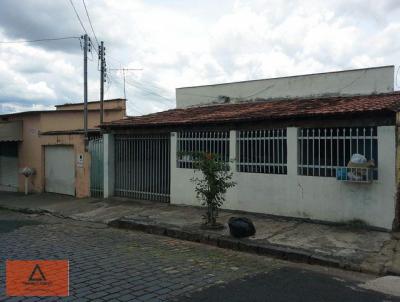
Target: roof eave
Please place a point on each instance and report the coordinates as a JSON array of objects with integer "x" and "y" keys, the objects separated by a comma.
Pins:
[{"x": 245, "y": 120}]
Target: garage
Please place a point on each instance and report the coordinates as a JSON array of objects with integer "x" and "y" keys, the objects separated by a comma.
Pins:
[
  {"x": 9, "y": 166},
  {"x": 10, "y": 137},
  {"x": 60, "y": 169}
]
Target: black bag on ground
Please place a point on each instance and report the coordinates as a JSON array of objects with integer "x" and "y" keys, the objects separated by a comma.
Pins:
[{"x": 241, "y": 227}]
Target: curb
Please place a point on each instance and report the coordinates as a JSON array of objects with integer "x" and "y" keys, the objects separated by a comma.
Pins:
[{"x": 243, "y": 245}]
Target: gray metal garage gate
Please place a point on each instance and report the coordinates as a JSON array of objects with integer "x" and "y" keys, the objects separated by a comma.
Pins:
[
  {"x": 8, "y": 166},
  {"x": 142, "y": 167},
  {"x": 96, "y": 149},
  {"x": 59, "y": 169}
]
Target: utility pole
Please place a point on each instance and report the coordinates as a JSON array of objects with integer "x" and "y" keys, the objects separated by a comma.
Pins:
[
  {"x": 85, "y": 88},
  {"x": 123, "y": 71},
  {"x": 102, "y": 79}
]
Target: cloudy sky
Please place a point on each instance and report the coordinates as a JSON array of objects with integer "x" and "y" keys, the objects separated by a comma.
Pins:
[{"x": 182, "y": 43}]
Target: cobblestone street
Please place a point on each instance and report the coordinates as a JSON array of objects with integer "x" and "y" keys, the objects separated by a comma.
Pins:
[
  {"x": 108, "y": 264},
  {"x": 116, "y": 265}
]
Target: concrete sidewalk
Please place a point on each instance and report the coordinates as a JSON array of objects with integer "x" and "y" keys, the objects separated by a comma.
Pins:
[{"x": 339, "y": 246}]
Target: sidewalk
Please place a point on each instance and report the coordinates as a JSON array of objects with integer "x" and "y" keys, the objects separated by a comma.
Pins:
[{"x": 337, "y": 246}]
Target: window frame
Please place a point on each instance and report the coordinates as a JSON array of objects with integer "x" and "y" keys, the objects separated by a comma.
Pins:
[
  {"x": 210, "y": 141},
  {"x": 338, "y": 145},
  {"x": 252, "y": 155}
]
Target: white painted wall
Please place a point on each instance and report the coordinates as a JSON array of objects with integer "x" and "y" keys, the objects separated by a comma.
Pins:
[
  {"x": 109, "y": 166},
  {"x": 350, "y": 82},
  {"x": 320, "y": 198}
]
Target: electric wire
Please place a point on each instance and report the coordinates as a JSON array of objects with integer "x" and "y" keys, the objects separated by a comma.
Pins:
[
  {"x": 40, "y": 40},
  {"x": 90, "y": 23},
  {"x": 79, "y": 18},
  {"x": 141, "y": 87},
  {"x": 120, "y": 83}
]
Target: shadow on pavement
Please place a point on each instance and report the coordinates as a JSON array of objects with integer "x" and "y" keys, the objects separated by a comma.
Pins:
[{"x": 288, "y": 284}]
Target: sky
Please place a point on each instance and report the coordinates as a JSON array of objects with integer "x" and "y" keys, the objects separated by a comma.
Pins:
[{"x": 179, "y": 43}]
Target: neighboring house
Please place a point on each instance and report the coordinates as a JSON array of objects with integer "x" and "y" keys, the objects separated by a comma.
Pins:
[
  {"x": 52, "y": 143},
  {"x": 288, "y": 142}
]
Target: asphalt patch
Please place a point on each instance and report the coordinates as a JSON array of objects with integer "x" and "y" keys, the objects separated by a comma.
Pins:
[
  {"x": 288, "y": 284},
  {"x": 10, "y": 225}
]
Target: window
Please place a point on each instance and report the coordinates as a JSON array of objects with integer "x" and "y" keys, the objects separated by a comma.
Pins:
[
  {"x": 323, "y": 150},
  {"x": 262, "y": 151},
  {"x": 216, "y": 142}
]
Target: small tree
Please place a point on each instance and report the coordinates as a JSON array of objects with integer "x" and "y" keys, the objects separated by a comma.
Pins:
[{"x": 212, "y": 185}]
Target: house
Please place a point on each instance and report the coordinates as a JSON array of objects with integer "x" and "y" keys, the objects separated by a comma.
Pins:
[
  {"x": 51, "y": 142},
  {"x": 288, "y": 142}
]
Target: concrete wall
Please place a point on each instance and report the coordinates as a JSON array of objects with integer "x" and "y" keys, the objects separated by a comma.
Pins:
[
  {"x": 351, "y": 82},
  {"x": 319, "y": 198}
]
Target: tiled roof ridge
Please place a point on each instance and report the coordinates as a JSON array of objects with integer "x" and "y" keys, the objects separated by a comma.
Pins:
[{"x": 269, "y": 109}]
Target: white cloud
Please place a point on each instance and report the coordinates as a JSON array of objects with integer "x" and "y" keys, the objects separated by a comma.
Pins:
[
  {"x": 12, "y": 107},
  {"x": 182, "y": 44}
]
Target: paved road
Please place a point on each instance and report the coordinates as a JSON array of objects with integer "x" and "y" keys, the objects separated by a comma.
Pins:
[
  {"x": 116, "y": 265},
  {"x": 289, "y": 284}
]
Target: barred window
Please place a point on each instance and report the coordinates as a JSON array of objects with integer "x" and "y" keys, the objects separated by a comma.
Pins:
[
  {"x": 216, "y": 142},
  {"x": 323, "y": 150},
  {"x": 262, "y": 151}
]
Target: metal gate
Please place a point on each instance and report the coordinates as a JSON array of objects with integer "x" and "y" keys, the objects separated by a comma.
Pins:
[
  {"x": 96, "y": 167},
  {"x": 142, "y": 166}
]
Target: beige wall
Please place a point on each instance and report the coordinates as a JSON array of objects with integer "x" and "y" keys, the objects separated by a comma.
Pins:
[
  {"x": 31, "y": 154},
  {"x": 31, "y": 149},
  {"x": 110, "y": 104},
  {"x": 72, "y": 120}
]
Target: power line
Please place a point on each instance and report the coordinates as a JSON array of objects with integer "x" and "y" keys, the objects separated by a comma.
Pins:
[
  {"x": 83, "y": 27},
  {"x": 77, "y": 15},
  {"x": 143, "y": 89},
  {"x": 141, "y": 86},
  {"x": 93, "y": 47},
  {"x": 149, "y": 91},
  {"x": 90, "y": 23},
  {"x": 123, "y": 72},
  {"x": 137, "y": 109},
  {"x": 39, "y": 40},
  {"x": 257, "y": 92},
  {"x": 109, "y": 80}
]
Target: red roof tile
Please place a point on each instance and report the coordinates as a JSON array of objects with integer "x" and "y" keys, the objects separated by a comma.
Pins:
[{"x": 266, "y": 110}]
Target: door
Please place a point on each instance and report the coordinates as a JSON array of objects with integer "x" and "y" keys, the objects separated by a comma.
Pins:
[
  {"x": 9, "y": 166},
  {"x": 60, "y": 170}
]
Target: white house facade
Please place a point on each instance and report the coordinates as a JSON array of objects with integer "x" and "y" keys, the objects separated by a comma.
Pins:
[{"x": 289, "y": 153}]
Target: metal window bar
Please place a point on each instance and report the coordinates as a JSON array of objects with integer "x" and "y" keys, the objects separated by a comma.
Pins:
[
  {"x": 96, "y": 148},
  {"x": 142, "y": 167},
  {"x": 317, "y": 145},
  {"x": 216, "y": 142},
  {"x": 262, "y": 151}
]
